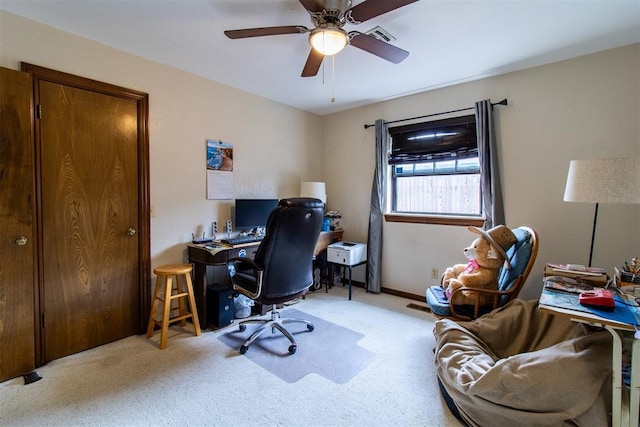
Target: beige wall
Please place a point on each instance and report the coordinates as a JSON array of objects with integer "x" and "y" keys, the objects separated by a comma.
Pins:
[
  {"x": 275, "y": 146},
  {"x": 584, "y": 108}
]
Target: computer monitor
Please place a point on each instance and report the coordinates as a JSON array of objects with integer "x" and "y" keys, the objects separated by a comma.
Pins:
[{"x": 253, "y": 213}]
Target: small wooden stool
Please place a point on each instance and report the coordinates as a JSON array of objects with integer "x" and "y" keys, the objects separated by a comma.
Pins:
[{"x": 164, "y": 294}]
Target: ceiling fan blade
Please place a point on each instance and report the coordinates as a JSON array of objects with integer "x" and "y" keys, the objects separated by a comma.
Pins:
[
  {"x": 377, "y": 47},
  {"x": 312, "y": 5},
  {"x": 266, "y": 31},
  {"x": 371, "y": 8},
  {"x": 313, "y": 63}
]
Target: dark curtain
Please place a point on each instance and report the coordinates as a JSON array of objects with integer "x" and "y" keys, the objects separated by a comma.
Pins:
[
  {"x": 489, "y": 170},
  {"x": 374, "y": 241}
]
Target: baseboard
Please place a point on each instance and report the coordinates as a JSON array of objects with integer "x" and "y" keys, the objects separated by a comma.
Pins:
[
  {"x": 403, "y": 294},
  {"x": 390, "y": 291}
]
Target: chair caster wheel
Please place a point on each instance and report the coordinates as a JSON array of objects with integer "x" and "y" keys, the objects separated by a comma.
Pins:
[
  {"x": 244, "y": 349},
  {"x": 292, "y": 348},
  {"x": 310, "y": 328},
  {"x": 242, "y": 328}
]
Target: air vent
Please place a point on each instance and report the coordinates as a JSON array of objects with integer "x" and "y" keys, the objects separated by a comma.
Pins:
[{"x": 381, "y": 34}]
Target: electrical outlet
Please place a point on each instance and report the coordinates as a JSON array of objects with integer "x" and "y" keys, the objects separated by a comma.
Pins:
[{"x": 434, "y": 273}]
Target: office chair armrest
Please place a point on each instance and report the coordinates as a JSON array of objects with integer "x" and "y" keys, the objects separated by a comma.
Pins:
[{"x": 243, "y": 264}]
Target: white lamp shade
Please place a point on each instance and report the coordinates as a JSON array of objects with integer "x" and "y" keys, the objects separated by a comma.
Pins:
[
  {"x": 316, "y": 190},
  {"x": 603, "y": 181}
]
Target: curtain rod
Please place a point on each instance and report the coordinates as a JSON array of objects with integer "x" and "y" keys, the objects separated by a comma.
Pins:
[{"x": 503, "y": 102}]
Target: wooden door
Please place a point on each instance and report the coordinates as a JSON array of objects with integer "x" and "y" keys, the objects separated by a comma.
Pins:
[
  {"x": 17, "y": 284},
  {"x": 93, "y": 211}
]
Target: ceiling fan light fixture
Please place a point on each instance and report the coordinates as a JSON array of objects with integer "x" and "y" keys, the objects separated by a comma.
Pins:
[{"x": 328, "y": 41}]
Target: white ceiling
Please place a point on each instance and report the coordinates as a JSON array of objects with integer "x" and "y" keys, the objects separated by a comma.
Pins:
[{"x": 450, "y": 41}]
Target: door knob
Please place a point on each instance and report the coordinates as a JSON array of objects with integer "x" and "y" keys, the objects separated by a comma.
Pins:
[
  {"x": 20, "y": 241},
  {"x": 131, "y": 231}
]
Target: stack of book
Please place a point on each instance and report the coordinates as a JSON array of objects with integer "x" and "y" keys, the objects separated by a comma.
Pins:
[{"x": 594, "y": 276}]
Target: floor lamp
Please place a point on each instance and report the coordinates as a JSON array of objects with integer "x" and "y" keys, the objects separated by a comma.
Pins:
[{"x": 603, "y": 181}]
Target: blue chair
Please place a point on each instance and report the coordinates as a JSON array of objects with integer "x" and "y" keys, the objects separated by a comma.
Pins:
[{"x": 522, "y": 255}]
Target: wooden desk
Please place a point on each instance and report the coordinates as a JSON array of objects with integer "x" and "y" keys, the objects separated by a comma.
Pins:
[
  {"x": 320, "y": 253},
  {"x": 325, "y": 239},
  {"x": 201, "y": 256}
]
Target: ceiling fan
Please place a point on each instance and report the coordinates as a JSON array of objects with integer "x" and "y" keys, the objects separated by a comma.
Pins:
[{"x": 328, "y": 37}]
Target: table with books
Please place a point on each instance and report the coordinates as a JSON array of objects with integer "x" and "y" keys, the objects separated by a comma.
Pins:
[{"x": 561, "y": 296}]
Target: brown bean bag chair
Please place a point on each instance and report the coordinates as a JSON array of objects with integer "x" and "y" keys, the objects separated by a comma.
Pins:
[{"x": 518, "y": 366}]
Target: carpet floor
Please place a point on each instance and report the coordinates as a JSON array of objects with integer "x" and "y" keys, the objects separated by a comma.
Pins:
[
  {"x": 200, "y": 381},
  {"x": 339, "y": 362}
]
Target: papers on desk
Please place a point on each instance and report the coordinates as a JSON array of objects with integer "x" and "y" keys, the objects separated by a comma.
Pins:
[
  {"x": 212, "y": 247},
  {"x": 565, "y": 284},
  {"x": 590, "y": 275},
  {"x": 623, "y": 312},
  {"x": 573, "y": 268}
]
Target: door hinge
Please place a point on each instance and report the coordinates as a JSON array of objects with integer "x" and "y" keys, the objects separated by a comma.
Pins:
[
  {"x": 38, "y": 111},
  {"x": 43, "y": 320}
]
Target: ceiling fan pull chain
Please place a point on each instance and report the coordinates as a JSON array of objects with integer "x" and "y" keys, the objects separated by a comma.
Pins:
[{"x": 333, "y": 78}]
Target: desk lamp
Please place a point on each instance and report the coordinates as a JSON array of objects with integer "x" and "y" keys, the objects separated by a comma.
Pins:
[
  {"x": 315, "y": 190},
  {"x": 603, "y": 181}
]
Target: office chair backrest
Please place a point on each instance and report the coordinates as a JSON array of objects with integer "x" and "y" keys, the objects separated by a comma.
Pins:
[
  {"x": 286, "y": 252},
  {"x": 522, "y": 256}
]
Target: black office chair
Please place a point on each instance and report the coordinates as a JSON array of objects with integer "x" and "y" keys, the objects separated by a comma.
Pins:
[{"x": 282, "y": 267}]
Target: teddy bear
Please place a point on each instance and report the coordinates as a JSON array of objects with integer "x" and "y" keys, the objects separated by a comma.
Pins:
[{"x": 486, "y": 255}]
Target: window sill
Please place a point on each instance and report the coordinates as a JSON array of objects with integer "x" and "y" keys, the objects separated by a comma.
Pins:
[{"x": 434, "y": 219}]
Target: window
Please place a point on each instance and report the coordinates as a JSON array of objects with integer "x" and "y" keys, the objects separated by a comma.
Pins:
[{"x": 435, "y": 169}]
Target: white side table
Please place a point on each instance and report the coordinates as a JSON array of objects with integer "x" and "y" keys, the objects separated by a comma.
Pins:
[{"x": 623, "y": 413}]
